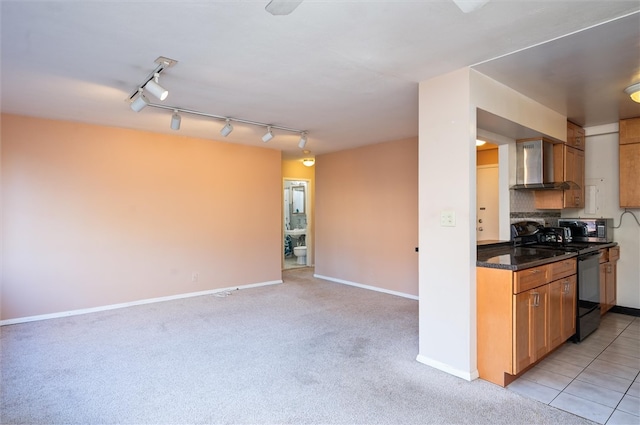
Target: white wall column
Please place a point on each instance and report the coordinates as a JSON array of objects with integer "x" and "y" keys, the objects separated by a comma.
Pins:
[{"x": 447, "y": 180}]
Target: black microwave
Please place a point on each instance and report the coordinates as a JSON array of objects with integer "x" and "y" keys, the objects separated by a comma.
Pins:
[{"x": 589, "y": 229}]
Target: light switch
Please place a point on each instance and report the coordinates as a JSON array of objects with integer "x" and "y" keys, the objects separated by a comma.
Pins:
[{"x": 447, "y": 218}]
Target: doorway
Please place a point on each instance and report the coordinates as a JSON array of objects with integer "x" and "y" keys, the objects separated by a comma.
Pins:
[
  {"x": 296, "y": 223},
  {"x": 487, "y": 227}
]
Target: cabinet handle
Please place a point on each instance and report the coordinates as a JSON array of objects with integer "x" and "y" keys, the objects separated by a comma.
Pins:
[
  {"x": 566, "y": 287},
  {"x": 536, "y": 299},
  {"x": 535, "y": 271}
]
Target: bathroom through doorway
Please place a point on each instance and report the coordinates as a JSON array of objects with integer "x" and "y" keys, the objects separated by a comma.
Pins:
[{"x": 296, "y": 219}]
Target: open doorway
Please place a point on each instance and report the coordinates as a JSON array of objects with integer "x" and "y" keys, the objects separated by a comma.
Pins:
[{"x": 296, "y": 223}]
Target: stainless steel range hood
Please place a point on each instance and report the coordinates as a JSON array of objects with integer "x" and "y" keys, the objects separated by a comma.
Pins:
[{"x": 535, "y": 167}]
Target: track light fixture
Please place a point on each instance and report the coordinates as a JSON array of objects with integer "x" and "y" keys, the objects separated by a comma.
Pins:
[
  {"x": 175, "y": 121},
  {"x": 303, "y": 140},
  {"x": 140, "y": 102},
  {"x": 268, "y": 135},
  {"x": 227, "y": 129},
  {"x": 156, "y": 89}
]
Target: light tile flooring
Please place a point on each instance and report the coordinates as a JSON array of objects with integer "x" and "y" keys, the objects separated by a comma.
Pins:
[
  {"x": 292, "y": 263},
  {"x": 597, "y": 379}
]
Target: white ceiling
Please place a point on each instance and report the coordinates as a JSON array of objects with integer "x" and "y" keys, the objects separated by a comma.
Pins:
[{"x": 347, "y": 72}]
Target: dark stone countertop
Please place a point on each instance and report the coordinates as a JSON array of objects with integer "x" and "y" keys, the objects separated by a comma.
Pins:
[{"x": 504, "y": 255}]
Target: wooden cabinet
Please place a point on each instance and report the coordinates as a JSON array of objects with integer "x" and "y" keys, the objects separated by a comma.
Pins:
[
  {"x": 575, "y": 136},
  {"x": 608, "y": 278},
  {"x": 522, "y": 316},
  {"x": 568, "y": 165},
  {"x": 629, "y": 162}
]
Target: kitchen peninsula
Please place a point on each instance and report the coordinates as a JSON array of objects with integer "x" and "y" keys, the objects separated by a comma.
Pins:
[{"x": 526, "y": 307}]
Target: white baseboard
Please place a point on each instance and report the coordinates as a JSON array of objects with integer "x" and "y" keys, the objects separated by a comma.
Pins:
[
  {"x": 132, "y": 303},
  {"x": 371, "y": 288},
  {"x": 467, "y": 376}
]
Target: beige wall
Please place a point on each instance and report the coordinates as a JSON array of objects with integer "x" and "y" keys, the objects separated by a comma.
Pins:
[
  {"x": 294, "y": 169},
  {"x": 94, "y": 216},
  {"x": 367, "y": 216}
]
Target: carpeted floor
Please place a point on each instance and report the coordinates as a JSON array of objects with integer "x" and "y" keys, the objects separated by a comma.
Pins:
[{"x": 303, "y": 352}]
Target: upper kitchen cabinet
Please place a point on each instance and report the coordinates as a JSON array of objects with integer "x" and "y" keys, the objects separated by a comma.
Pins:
[
  {"x": 629, "y": 163},
  {"x": 568, "y": 166},
  {"x": 575, "y": 136}
]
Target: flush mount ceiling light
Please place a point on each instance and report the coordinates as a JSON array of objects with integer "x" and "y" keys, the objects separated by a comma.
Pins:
[
  {"x": 308, "y": 162},
  {"x": 227, "y": 129},
  {"x": 303, "y": 140},
  {"x": 634, "y": 91},
  {"x": 268, "y": 135},
  {"x": 175, "y": 121},
  {"x": 480, "y": 142}
]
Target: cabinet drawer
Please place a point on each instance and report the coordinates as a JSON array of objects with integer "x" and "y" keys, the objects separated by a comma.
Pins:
[
  {"x": 527, "y": 279},
  {"x": 563, "y": 268},
  {"x": 614, "y": 253}
]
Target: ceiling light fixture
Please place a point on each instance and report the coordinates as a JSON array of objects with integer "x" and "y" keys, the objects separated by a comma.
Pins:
[
  {"x": 156, "y": 89},
  {"x": 308, "y": 162},
  {"x": 175, "y": 121},
  {"x": 139, "y": 104},
  {"x": 303, "y": 140},
  {"x": 227, "y": 129},
  {"x": 268, "y": 135},
  {"x": 634, "y": 91},
  {"x": 138, "y": 101},
  {"x": 480, "y": 142}
]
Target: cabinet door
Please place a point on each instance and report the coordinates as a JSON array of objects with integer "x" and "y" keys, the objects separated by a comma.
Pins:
[
  {"x": 574, "y": 172},
  {"x": 611, "y": 284},
  {"x": 521, "y": 338},
  {"x": 603, "y": 288},
  {"x": 569, "y": 295},
  {"x": 539, "y": 329},
  {"x": 629, "y": 176},
  {"x": 630, "y": 131},
  {"x": 555, "y": 313}
]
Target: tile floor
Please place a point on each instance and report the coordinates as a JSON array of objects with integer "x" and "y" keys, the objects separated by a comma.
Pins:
[
  {"x": 292, "y": 263},
  {"x": 597, "y": 379}
]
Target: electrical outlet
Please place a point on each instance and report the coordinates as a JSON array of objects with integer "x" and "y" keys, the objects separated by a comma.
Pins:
[
  {"x": 194, "y": 276},
  {"x": 448, "y": 219}
]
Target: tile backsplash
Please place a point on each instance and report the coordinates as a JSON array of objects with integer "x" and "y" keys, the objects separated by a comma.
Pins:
[{"x": 523, "y": 209}]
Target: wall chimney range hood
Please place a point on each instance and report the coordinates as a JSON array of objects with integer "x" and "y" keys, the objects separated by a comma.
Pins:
[{"x": 535, "y": 167}]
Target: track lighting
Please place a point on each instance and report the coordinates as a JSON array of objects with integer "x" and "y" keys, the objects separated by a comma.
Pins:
[
  {"x": 227, "y": 129},
  {"x": 303, "y": 140},
  {"x": 140, "y": 102},
  {"x": 268, "y": 135},
  {"x": 175, "y": 121},
  {"x": 156, "y": 89}
]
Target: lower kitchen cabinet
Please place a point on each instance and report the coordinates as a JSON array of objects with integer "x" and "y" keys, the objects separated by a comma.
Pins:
[
  {"x": 519, "y": 324},
  {"x": 608, "y": 278}
]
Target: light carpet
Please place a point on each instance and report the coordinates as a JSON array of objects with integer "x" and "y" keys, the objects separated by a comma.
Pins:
[{"x": 306, "y": 351}]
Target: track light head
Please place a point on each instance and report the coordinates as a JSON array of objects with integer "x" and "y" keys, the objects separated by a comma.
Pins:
[
  {"x": 227, "y": 129},
  {"x": 140, "y": 102},
  {"x": 268, "y": 135},
  {"x": 175, "y": 121},
  {"x": 156, "y": 89},
  {"x": 303, "y": 140}
]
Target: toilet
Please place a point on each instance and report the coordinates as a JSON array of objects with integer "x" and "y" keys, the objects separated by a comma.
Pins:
[{"x": 301, "y": 253}]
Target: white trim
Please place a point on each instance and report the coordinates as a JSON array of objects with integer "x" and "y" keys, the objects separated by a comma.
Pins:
[
  {"x": 131, "y": 303},
  {"x": 467, "y": 376},
  {"x": 371, "y": 288}
]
